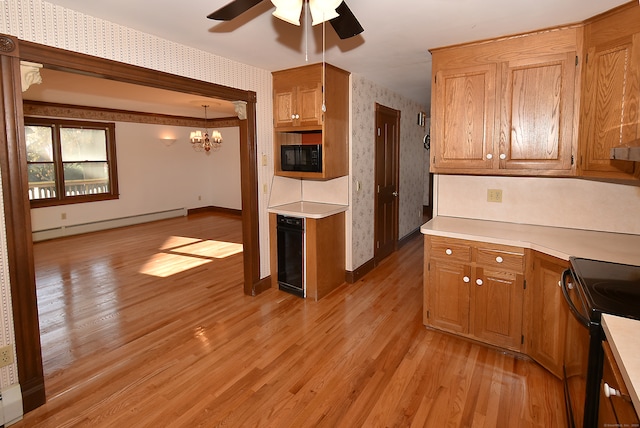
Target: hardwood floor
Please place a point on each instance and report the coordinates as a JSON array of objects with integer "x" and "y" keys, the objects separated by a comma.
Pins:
[{"x": 149, "y": 326}]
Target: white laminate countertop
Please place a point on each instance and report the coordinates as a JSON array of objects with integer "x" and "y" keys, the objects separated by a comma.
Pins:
[
  {"x": 308, "y": 209},
  {"x": 555, "y": 241},
  {"x": 623, "y": 335}
]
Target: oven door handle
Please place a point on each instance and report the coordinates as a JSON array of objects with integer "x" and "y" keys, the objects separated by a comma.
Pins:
[{"x": 565, "y": 291}]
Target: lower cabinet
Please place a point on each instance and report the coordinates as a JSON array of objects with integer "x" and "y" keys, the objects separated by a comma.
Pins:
[
  {"x": 475, "y": 289},
  {"x": 616, "y": 408},
  {"x": 324, "y": 265},
  {"x": 546, "y": 313}
]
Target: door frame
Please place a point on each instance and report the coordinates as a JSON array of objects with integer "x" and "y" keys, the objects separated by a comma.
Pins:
[
  {"x": 13, "y": 168},
  {"x": 381, "y": 108}
]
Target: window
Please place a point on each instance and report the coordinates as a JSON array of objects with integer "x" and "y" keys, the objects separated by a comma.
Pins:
[{"x": 70, "y": 161}]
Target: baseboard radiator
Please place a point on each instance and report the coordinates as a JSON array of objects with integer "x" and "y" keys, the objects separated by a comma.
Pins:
[{"x": 76, "y": 229}]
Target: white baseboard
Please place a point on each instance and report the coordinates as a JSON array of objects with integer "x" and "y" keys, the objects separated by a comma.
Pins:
[
  {"x": 42, "y": 235},
  {"x": 11, "y": 407}
]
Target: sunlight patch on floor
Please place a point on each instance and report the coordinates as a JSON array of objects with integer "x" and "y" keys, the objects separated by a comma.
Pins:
[{"x": 179, "y": 254}]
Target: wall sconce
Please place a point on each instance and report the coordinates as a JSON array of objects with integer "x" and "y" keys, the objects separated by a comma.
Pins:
[{"x": 168, "y": 141}]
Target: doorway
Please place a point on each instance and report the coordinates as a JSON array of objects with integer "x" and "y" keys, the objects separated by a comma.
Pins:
[
  {"x": 387, "y": 163},
  {"x": 16, "y": 204}
]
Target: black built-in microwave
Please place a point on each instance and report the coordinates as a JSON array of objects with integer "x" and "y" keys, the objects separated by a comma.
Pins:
[{"x": 301, "y": 157}]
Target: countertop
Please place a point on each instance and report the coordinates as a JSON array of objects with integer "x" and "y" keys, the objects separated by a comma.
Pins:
[
  {"x": 308, "y": 209},
  {"x": 623, "y": 335},
  {"x": 555, "y": 241}
]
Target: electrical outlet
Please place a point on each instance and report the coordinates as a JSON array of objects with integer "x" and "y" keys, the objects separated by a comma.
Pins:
[
  {"x": 6, "y": 355},
  {"x": 494, "y": 195},
  {"x": 63, "y": 216}
]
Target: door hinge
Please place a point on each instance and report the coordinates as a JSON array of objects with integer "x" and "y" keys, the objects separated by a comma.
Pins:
[
  {"x": 428, "y": 314},
  {"x": 577, "y": 62},
  {"x": 378, "y": 244},
  {"x": 586, "y": 59},
  {"x": 524, "y": 284},
  {"x": 522, "y": 339},
  {"x": 379, "y": 132},
  {"x": 429, "y": 266},
  {"x": 572, "y": 160}
]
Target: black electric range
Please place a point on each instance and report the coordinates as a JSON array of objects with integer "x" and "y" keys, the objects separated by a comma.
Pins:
[{"x": 592, "y": 288}]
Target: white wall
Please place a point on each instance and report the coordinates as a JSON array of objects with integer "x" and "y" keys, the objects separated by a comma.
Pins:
[
  {"x": 560, "y": 202},
  {"x": 155, "y": 177}
]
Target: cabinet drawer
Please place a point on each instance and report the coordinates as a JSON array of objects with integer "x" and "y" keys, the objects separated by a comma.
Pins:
[
  {"x": 448, "y": 249},
  {"x": 500, "y": 259}
]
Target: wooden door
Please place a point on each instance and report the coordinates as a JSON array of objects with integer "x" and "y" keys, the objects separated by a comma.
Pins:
[
  {"x": 496, "y": 305},
  {"x": 448, "y": 296},
  {"x": 464, "y": 118},
  {"x": 548, "y": 311},
  {"x": 386, "y": 181},
  {"x": 611, "y": 100},
  {"x": 537, "y": 113}
]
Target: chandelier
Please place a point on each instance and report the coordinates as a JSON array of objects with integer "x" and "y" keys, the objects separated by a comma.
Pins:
[{"x": 202, "y": 141}]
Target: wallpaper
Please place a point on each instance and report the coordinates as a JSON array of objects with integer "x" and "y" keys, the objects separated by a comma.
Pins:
[{"x": 365, "y": 95}]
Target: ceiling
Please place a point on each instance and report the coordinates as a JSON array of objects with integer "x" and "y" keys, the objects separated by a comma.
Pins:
[{"x": 393, "y": 50}]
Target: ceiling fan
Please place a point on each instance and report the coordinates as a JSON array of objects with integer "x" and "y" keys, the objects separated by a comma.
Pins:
[{"x": 336, "y": 12}]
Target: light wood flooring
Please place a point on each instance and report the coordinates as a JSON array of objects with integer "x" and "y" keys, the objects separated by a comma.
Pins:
[{"x": 148, "y": 326}]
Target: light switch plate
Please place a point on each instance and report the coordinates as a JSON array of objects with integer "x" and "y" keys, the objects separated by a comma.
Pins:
[{"x": 494, "y": 195}]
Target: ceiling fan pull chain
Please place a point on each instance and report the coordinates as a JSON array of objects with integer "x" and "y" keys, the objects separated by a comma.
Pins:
[
  {"x": 324, "y": 107},
  {"x": 306, "y": 31}
]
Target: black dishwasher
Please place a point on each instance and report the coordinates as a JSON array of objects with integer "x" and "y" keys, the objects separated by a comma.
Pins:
[{"x": 291, "y": 254}]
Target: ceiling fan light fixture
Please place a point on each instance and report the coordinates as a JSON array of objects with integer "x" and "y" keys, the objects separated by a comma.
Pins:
[
  {"x": 323, "y": 10},
  {"x": 288, "y": 10}
]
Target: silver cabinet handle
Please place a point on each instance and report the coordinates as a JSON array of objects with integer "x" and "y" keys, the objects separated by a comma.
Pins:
[
  {"x": 479, "y": 281},
  {"x": 465, "y": 279},
  {"x": 608, "y": 391},
  {"x": 395, "y": 193},
  {"x": 499, "y": 259},
  {"x": 448, "y": 251},
  {"x": 503, "y": 156},
  {"x": 489, "y": 156}
]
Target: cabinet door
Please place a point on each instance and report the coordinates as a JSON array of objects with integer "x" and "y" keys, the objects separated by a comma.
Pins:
[
  {"x": 548, "y": 314},
  {"x": 537, "y": 113},
  {"x": 283, "y": 107},
  {"x": 610, "y": 104},
  {"x": 309, "y": 105},
  {"x": 496, "y": 301},
  {"x": 448, "y": 296},
  {"x": 464, "y": 118}
]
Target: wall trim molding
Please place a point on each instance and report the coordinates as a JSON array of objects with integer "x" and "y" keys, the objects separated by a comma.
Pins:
[{"x": 38, "y": 108}]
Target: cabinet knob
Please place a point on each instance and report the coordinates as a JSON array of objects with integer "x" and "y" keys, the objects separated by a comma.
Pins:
[
  {"x": 503, "y": 156},
  {"x": 489, "y": 156},
  {"x": 608, "y": 391},
  {"x": 295, "y": 116},
  {"x": 465, "y": 279},
  {"x": 448, "y": 251},
  {"x": 499, "y": 259},
  {"x": 479, "y": 281}
]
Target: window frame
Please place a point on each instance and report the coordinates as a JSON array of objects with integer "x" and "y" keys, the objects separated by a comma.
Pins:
[{"x": 61, "y": 197}]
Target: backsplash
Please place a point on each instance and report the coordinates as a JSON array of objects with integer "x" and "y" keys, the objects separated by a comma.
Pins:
[{"x": 559, "y": 202}]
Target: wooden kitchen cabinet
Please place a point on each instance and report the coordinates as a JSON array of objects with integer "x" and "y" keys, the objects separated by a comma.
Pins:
[
  {"x": 616, "y": 409},
  {"x": 324, "y": 268},
  {"x": 507, "y": 106},
  {"x": 546, "y": 313},
  {"x": 299, "y": 117},
  {"x": 474, "y": 289},
  {"x": 611, "y": 93}
]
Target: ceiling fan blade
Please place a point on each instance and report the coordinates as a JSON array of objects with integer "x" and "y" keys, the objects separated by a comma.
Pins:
[
  {"x": 346, "y": 25},
  {"x": 233, "y": 9}
]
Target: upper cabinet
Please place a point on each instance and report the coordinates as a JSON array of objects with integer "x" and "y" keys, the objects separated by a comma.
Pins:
[
  {"x": 610, "y": 93},
  {"x": 506, "y": 107},
  {"x": 311, "y": 106}
]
